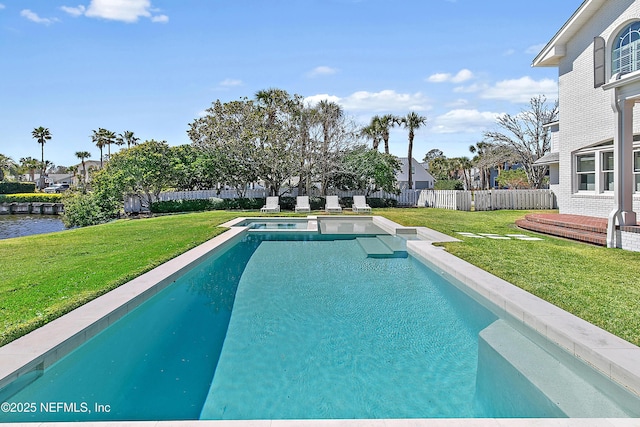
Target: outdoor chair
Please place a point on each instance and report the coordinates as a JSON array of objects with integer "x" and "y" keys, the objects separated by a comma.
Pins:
[
  {"x": 302, "y": 204},
  {"x": 360, "y": 205},
  {"x": 273, "y": 205},
  {"x": 332, "y": 205}
]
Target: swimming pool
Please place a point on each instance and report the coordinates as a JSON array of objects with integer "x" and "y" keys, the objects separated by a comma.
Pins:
[{"x": 299, "y": 325}]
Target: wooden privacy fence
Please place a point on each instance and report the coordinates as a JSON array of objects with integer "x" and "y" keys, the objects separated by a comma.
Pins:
[
  {"x": 446, "y": 199},
  {"x": 491, "y": 200},
  {"x": 488, "y": 200}
]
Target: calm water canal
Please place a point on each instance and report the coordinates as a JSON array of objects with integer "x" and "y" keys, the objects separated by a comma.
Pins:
[{"x": 25, "y": 225}]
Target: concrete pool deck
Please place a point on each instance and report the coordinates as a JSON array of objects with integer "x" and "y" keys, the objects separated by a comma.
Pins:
[{"x": 614, "y": 357}]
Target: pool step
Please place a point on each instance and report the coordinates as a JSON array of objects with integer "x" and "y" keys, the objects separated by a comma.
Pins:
[
  {"x": 383, "y": 247},
  {"x": 513, "y": 369}
]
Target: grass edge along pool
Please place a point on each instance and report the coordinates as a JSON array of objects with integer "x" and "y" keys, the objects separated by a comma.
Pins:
[{"x": 418, "y": 243}]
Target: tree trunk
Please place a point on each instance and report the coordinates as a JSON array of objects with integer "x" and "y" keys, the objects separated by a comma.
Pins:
[{"x": 409, "y": 160}]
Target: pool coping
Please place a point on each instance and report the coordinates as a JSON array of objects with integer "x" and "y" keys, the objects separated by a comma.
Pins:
[{"x": 616, "y": 358}]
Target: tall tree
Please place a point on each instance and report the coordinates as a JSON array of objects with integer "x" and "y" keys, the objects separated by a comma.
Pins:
[
  {"x": 329, "y": 115},
  {"x": 42, "y": 135},
  {"x": 411, "y": 121},
  {"x": 385, "y": 123},
  {"x": 29, "y": 165},
  {"x": 83, "y": 155},
  {"x": 373, "y": 132},
  {"x": 7, "y": 166},
  {"x": 101, "y": 138},
  {"x": 278, "y": 113},
  {"x": 127, "y": 137},
  {"x": 527, "y": 135}
]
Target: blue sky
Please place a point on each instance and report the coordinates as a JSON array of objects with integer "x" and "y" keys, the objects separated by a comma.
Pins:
[{"x": 152, "y": 66}]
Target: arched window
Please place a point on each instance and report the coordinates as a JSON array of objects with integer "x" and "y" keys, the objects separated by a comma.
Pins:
[{"x": 626, "y": 50}]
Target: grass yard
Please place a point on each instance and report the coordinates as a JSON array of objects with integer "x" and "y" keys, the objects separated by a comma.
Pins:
[{"x": 45, "y": 276}]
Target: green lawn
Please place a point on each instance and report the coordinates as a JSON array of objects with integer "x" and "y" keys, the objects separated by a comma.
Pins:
[{"x": 45, "y": 276}]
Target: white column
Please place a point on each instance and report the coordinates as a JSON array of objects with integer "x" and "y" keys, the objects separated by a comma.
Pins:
[
  {"x": 623, "y": 163},
  {"x": 623, "y": 183}
]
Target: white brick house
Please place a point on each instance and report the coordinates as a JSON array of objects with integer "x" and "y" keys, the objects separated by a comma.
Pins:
[{"x": 595, "y": 155}]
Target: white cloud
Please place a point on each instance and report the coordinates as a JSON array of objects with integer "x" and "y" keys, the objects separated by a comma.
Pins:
[
  {"x": 458, "y": 103},
  {"x": 123, "y": 10},
  {"x": 464, "y": 121},
  {"x": 33, "y": 17},
  {"x": 162, "y": 19},
  {"x": 2, "y": 6},
  {"x": 384, "y": 101},
  {"x": 74, "y": 11},
  {"x": 509, "y": 52},
  {"x": 230, "y": 83},
  {"x": 314, "y": 99},
  {"x": 462, "y": 76},
  {"x": 322, "y": 70},
  {"x": 521, "y": 90},
  {"x": 535, "y": 49}
]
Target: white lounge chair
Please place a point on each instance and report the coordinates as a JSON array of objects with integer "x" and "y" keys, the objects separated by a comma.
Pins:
[
  {"x": 302, "y": 204},
  {"x": 273, "y": 205},
  {"x": 360, "y": 204},
  {"x": 332, "y": 205}
]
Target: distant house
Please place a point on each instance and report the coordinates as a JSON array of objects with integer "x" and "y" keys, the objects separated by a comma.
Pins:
[
  {"x": 58, "y": 178},
  {"x": 595, "y": 155},
  {"x": 89, "y": 166},
  {"x": 422, "y": 180}
]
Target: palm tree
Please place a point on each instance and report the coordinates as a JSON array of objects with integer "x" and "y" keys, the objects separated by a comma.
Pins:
[
  {"x": 82, "y": 155},
  {"x": 42, "y": 135},
  {"x": 411, "y": 121},
  {"x": 373, "y": 132},
  {"x": 103, "y": 137},
  {"x": 109, "y": 138},
  {"x": 6, "y": 164},
  {"x": 128, "y": 137},
  {"x": 29, "y": 164},
  {"x": 329, "y": 113},
  {"x": 385, "y": 123}
]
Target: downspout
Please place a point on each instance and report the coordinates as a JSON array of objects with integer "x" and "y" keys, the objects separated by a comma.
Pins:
[{"x": 616, "y": 214}]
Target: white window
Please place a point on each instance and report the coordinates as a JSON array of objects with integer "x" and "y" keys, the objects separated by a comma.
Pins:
[
  {"x": 607, "y": 171},
  {"x": 626, "y": 50},
  {"x": 586, "y": 169},
  {"x": 636, "y": 169}
]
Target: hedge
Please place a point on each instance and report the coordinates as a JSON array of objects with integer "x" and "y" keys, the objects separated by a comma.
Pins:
[
  {"x": 17, "y": 187},
  {"x": 172, "y": 206},
  {"x": 287, "y": 203},
  {"x": 30, "y": 198}
]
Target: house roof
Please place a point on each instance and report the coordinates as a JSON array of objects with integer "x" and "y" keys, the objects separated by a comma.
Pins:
[
  {"x": 551, "y": 54},
  {"x": 419, "y": 174},
  {"x": 548, "y": 159}
]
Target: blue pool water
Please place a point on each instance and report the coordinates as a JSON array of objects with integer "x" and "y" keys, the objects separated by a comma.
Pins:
[{"x": 281, "y": 326}]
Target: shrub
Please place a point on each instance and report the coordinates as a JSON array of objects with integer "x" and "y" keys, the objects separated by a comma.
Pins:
[
  {"x": 17, "y": 187},
  {"x": 378, "y": 202},
  {"x": 171, "y": 206},
  {"x": 82, "y": 209},
  {"x": 30, "y": 197},
  {"x": 448, "y": 184}
]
